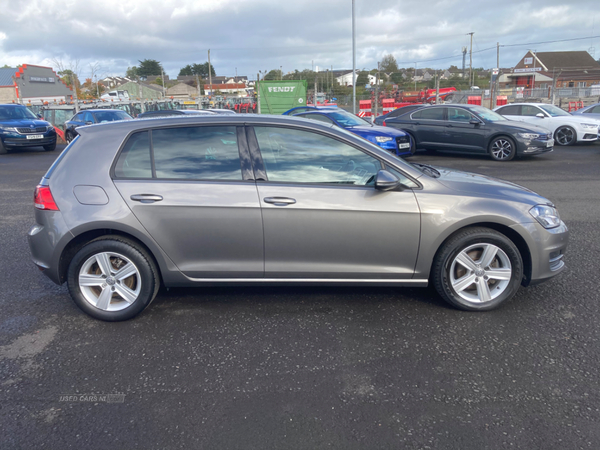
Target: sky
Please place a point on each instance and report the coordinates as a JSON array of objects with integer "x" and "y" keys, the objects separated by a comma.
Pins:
[{"x": 248, "y": 36}]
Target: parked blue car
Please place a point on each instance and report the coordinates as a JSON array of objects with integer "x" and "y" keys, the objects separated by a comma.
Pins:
[
  {"x": 395, "y": 141},
  {"x": 592, "y": 111},
  {"x": 19, "y": 127}
]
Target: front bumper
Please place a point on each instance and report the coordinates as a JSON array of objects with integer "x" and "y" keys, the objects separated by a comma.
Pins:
[
  {"x": 12, "y": 140},
  {"x": 393, "y": 147},
  {"x": 534, "y": 146},
  {"x": 547, "y": 248}
]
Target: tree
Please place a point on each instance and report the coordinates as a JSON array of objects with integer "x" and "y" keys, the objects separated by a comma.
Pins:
[
  {"x": 388, "y": 64},
  {"x": 149, "y": 67},
  {"x": 362, "y": 79},
  {"x": 274, "y": 74},
  {"x": 197, "y": 69},
  {"x": 132, "y": 73}
]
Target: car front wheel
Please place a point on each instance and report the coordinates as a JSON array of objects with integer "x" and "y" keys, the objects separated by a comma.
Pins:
[
  {"x": 112, "y": 279},
  {"x": 478, "y": 269},
  {"x": 502, "y": 149},
  {"x": 565, "y": 136},
  {"x": 69, "y": 137},
  {"x": 50, "y": 148}
]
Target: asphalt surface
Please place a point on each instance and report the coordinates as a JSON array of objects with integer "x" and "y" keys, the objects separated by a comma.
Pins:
[{"x": 308, "y": 368}]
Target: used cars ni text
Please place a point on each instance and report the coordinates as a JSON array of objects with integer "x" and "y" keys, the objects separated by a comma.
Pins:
[{"x": 246, "y": 200}]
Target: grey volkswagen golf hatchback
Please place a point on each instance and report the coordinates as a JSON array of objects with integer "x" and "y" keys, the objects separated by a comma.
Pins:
[{"x": 223, "y": 200}]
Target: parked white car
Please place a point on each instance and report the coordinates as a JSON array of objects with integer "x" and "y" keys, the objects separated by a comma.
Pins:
[{"x": 566, "y": 128}]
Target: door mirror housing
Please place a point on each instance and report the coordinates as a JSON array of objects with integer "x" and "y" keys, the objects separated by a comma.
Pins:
[
  {"x": 540, "y": 115},
  {"x": 474, "y": 122},
  {"x": 386, "y": 181},
  {"x": 89, "y": 122}
]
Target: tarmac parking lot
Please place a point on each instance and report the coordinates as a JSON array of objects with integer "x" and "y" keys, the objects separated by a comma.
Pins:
[{"x": 308, "y": 367}]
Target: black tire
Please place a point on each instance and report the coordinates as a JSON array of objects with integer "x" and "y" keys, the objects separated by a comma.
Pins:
[
  {"x": 565, "y": 136},
  {"x": 69, "y": 137},
  {"x": 50, "y": 148},
  {"x": 451, "y": 278},
  {"x": 502, "y": 148},
  {"x": 3, "y": 150},
  {"x": 120, "y": 250}
]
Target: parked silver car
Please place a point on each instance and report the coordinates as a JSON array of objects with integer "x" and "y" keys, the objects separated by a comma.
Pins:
[{"x": 225, "y": 200}]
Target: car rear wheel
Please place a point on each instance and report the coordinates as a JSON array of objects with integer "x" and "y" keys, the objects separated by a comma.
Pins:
[
  {"x": 112, "y": 279},
  {"x": 502, "y": 148},
  {"x": 478, "y": 269},
  {"x": 565, "y": 136},
  {"x": 50, "y": 148}
]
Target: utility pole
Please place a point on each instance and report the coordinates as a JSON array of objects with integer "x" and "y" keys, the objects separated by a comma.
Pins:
[
  {"x": 498, "y": 55},
  {"x": 471, "y": 60},
  {"x": 257, "y": 94},
  {"x": 437, "y": 89},
  {"x": 415, "y": 77},
  {"x": 353, "y": 61},
  {"x": 162, "y": 77},
  {"x": 376, "y": 93},
  {"x": 74, "y": 83},
  {"x": 209, "y": 75},
  {"x": 198, "y": 86}
]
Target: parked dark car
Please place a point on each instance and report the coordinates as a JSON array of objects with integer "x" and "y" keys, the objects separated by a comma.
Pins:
[
  {"x": 20, "y": 128},
  {"x": 259, "y": 200},
  {"x": 175, "y": 112},
  {"x": 379, "y": 120},
  {"x": 90, "y": 117},
  {"x": 473, "y": 129},
  {"x": 394, "y": 141}
]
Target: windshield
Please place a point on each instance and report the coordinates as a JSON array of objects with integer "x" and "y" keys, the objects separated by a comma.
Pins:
[
  {"x": 16, "y": 113},
  {"x": 554, "y": 111},
  {"x": 487, "y": 114},
  {"x": 348, "y": 120}
]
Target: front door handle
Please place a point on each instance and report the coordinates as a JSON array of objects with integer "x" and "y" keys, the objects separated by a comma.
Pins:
[
  {"x": 146, "y": 198},
  {"x": 280, "y": 201},
  {"x": 449, "y": 126}
]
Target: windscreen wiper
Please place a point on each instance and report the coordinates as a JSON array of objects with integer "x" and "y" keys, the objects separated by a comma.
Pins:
[{"x": 427, "y": 170}]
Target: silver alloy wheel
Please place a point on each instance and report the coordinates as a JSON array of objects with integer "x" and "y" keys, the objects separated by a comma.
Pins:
[
  {"x": 109, "y": 281},
  {"x": 565, "y": 136},
  {"x": 480, "y": 273},
  {"x": 502, "y": 148}
]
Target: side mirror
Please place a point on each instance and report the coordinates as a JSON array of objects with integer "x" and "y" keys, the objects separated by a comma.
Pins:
[
  {"x": 386, "y": 181},
  {"x": 89, "y": 122},
  {"x": 39, "y": 116},
  {"x": 474, "y": 122},
  {"x": 540, "y": 115}
]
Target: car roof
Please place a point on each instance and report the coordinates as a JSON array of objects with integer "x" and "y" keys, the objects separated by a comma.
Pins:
[{"x": 102, "y": 110}]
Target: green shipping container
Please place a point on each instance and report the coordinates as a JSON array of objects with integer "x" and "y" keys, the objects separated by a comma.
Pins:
[{"x": 276, "y": 97}]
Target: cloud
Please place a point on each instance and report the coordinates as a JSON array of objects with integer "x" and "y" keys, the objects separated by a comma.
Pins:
[{"x": 253, "y": 35}]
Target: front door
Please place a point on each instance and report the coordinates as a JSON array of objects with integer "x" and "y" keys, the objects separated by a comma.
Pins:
[
  {"x": 188, "y": 188},
  {"x": 322, "y": 216},
  {"x": 463, "y": 134}
]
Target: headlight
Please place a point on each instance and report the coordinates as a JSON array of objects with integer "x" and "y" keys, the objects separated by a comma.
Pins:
[
  {"x": 49, "y": 127},
  {"x": 546, "y": 215},
  {"x": 589, "y": 125},
  {"x": 3, "y": 128},
  {"x": 529, "y": 135},
  {"x": 382, "y": 139}
]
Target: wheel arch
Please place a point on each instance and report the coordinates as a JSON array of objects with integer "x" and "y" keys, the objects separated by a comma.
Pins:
[
  {"x": 505, "y": 230},
  {"x": 85, "y": 237}
]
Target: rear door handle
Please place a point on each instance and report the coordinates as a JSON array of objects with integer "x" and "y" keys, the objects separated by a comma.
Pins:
[
  {"x": 146, "y": 198},
  {"x": 280, "y": 201}
]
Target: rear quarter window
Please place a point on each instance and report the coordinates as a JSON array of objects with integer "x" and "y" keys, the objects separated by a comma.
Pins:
[{"x": 134, "y": 161}]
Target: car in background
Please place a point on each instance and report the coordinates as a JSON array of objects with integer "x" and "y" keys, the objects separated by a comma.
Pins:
[
  {"x": 251, "y": 200},
  {"x": 19, "y": 128},
  {"x": 592, "y": 111},
  {"x": 299, "y": 109},
  {"x": 175, "y": 112},
  {"x": 91, "y": 117},
  {"x": 394, "y": 141},
  {"x": 472, "y": 129},
  {"x": 380, "y": 120},
  {"x": 566, "y": 128}
]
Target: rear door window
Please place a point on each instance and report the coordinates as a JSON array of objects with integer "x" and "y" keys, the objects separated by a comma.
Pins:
[{"x": 429, "y": 114}]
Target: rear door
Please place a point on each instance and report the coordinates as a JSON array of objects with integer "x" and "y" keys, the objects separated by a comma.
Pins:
[
  {"x": 193, "y": 190},
  {"x": 429, "y": 127},
  {"x": 322, "y": 217}
]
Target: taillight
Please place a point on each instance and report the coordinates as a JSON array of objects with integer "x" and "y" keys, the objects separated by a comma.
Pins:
[
  {"x": 384, "y": 124},
  {"x": 43, "y": 199}
]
